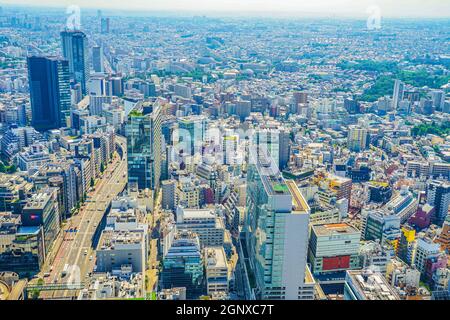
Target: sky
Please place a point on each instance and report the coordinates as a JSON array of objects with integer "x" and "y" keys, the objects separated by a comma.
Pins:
[{"x": 355, "y": 8}]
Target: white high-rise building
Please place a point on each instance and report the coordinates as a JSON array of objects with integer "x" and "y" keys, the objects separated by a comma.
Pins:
[
  {"x": 276, "y": 232},
  {"x": 397, "y": 96}
]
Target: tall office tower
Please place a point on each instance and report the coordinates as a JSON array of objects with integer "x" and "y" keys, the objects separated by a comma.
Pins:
[
  {"x": 114, "y": 87},
  {"x": 75, "y": 50},
  {"x": 143, "y": 132},
  {"x": 357, "y": 139},
  {"x": 397, "y": 96},
  {"x": 284, "y": 148},
  {"x": 97, "y": 59},
  {"x": 183, "y": 264},
  {"x": 49, "y": 92},
  {"x": 104, "y": 25},
  {"x": 438, "y": 195},
  {"x": 192, "y": 133},
  {"x": 276, "y": 234},
  {"x": 438, "y": 98}
]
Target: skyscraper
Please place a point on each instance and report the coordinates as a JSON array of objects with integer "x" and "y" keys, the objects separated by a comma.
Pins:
[
  {"x": 104, "y": 25},
  {"x": 276, "y": 234},
  {"x": 143, "y": 132},
  {"x": 97, "y": 59},
  {"x": 49, "y": 92},
  {"x": 75, "y": 50},
  {"x": 398, "y": 93},
  {"x": 438, "y": 195}
]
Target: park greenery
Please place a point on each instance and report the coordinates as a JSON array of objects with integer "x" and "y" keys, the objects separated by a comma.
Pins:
[
  {"x": 389, "y": 71},
  {"x": 424, "y": 129}
]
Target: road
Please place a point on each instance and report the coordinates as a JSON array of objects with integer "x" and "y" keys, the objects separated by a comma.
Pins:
[
  {"x": 152, "y": 272},
  {"x": 76, "y": 249}
]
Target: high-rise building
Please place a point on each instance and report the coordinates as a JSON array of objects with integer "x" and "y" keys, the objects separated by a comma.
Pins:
[
  {"x": 352, "y": 106},
  {"x": 42, "y": 210},
  {"x": 438, "y": 98},
  {"x": 49, "y": 92},
  {"x": 276, "y": 234},
  {"x": 143, "y": 132},
  {"x": 425, "y": 249},
  {"x": 168, "y": 194},
  {"x": 192, "y": 133},
  {"x": 104, "y": 25},
  {"x": 75, "y": 50},
  {"x": 397, "y": 96},
  {"x": 438, "y": 195},
  {"x": 183, "y": 264},
  {"x": 358, "y": 139},
  {"x": 97, "y": 59}
]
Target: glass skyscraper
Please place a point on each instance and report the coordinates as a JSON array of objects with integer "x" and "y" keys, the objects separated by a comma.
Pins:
[
  {"x": 75, "y": 50},
  {"x": 143, "y": 132},
  {"x": 49, "y": 92}
]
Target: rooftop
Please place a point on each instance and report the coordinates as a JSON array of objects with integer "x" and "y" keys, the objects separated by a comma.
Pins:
[
  {"x": 371, "y": 285},
  {"x": 298, "y": 201},
  {"x": 333, "y": 229}
]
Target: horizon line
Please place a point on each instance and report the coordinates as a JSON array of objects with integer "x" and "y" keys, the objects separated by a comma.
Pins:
[{"x": 226, "y": 14}]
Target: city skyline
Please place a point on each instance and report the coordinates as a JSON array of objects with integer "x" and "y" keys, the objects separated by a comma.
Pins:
[
  {"x": 195, "y": 157},
  {"x": 262, "y": 8}
]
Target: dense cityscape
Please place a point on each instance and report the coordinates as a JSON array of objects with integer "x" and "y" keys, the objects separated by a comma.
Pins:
[{"x": 223, "y": 158}]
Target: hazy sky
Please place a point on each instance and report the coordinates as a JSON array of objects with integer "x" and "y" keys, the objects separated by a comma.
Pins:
[{"x": 389, "y": 8}]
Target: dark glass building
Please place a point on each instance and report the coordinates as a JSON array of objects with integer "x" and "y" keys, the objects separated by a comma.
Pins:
[
  {"x": 49, "y": 92},
  {"x": 143, "y": 132}
]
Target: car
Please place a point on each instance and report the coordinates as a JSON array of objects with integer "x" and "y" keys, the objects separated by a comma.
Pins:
[
  {"x": 90, "y": 258},
  {"x": 47, "y": 274},
  {"x": 85, "y": 252}
]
